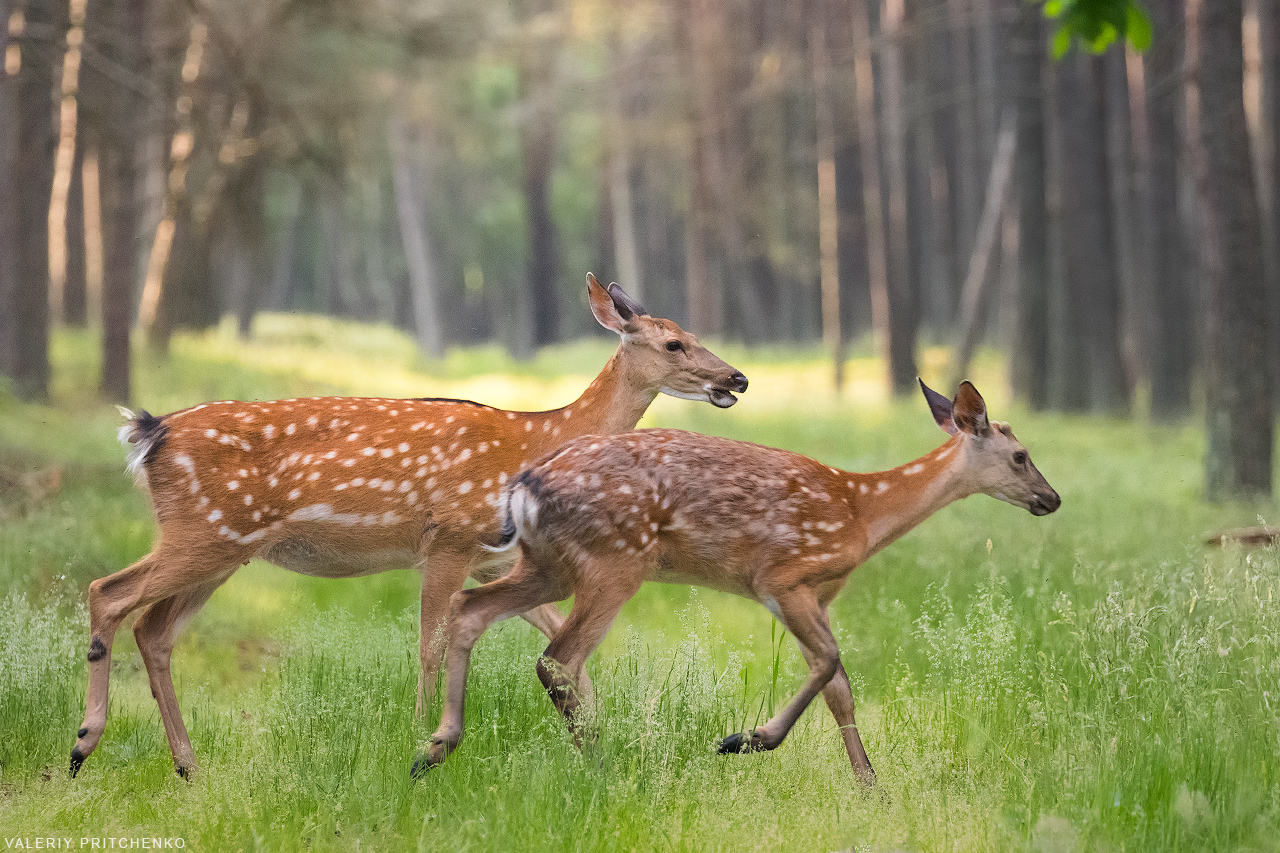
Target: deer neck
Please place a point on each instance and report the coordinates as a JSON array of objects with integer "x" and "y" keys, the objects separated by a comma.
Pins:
[
  {"x": 890, "y": 503},
  {"x": 614, "y": 401}
]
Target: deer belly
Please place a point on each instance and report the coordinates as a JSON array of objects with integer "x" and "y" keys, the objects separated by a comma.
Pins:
[{"x": 319, "y": 559}]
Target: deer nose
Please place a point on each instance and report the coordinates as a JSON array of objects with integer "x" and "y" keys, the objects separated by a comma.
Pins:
[{"x": 738, "y": 382}]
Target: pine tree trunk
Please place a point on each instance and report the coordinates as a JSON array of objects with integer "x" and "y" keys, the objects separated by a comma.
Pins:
[
  {"x": 26, "y": 297},
  {"x": 75, "y": 291},
  {"x": 424, "y": 277},
  {"x": 1174, "y": 328},
  {"x": 1030, "y": 361},
  {"x": 538, "y": 151},
  {"x": 1089, "y": 366},
  {"x": 119, "y": 139},
  {"x": 9, "y": 242},
  {"x": 1237, "y": 374}
]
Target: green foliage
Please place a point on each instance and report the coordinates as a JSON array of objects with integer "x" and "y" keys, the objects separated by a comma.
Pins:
[
  {"x": 1095, "y": 679},
  {"x": 1097, "y": 24}
]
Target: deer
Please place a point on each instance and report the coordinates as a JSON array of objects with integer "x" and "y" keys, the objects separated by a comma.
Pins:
[
  {"x": 341, "y": 487},
  {"x": 601, "y": 515}
]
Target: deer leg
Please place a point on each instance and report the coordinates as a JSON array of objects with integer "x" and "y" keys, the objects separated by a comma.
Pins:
[
  {"x": 156, "y": 630},
  {"x": 805, "y": 618},
  {"x": 549, "y": 620},
  {"x": 444, "y": 574},
  {"x": 471, "y": 612},
  {"x": 839, "y": 698},
  {"x": 160, "y": 574},
  {"x": 564, "y": 661}
]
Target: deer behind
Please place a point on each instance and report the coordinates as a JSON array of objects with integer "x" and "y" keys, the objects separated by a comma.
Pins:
[
  {"x": 603, "y": 514},
  {"x": 342, "y": 487}
]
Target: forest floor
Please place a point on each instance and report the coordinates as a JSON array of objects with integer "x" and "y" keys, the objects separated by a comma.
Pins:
[{"x": 1098, "y": 679}]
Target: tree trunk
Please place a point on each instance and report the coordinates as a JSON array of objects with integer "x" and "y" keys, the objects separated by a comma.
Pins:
[
  {"x": 424, "y": 277},
  {"x": 25, "y": 295},
  {"x": 538, "y": 153},
  {"x": 1089, "y": 366},
  {"x": 903, "y": 304},
  {"x": 1237, "y": 375},
  {"x": 1269, "y": 14},
  {"x": 75, "y": 290},
  {"x": 9, "y": 182},
  {"x": 622, "y": 207},
  {"x": 1121, "y": 170},
  {"x": 120, "y": 134},
  {"x": 872, "y": 207},
  {"x": 705, "y": 288},
  {"x": 967, "y": 201},
  {"x": 1030, "y": 360},
  {"x": 833, "y": 335},
  {"x": 1174, "y": 328}
]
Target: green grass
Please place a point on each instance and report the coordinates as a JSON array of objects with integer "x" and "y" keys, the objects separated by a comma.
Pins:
[{"x": 1093, "y": 680}]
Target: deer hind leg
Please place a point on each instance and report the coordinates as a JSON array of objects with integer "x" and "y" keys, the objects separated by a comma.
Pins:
[
  {"x": 549, "y": 620},
  {"x": 806, "y": 619},
  {"x": 562, "y": 666},
  {"x": 156, "y": 631},
  {"x": 160, "y": 574},
  {"x": 471, "y": 612}
]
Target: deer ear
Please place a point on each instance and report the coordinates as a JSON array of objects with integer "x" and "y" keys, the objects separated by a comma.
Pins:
[
  {"x": 604, "y": 308},
  {"x": 970, "y": 410},
  {"x": 612, "y": 307},
  {"x": 940, "y": 406}
]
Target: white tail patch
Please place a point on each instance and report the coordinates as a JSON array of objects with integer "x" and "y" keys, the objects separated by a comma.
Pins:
[
  {"x": 519, "y": 509},
  {"x": 136, "y": 458}
]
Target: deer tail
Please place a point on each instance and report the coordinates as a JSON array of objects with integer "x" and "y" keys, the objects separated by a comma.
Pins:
[
  {"x": 517, "y": 512},
  {"x": 146, "y": 433}
]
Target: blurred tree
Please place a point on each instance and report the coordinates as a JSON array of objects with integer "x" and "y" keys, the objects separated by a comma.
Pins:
[
  {"x": 27, "y": 141},
  {"x": 1029, "y": 355},
  {"x": 537, "y": 54},
  {"x": 1174, "y": 335},
  {"x": 1238, "y": 379}
]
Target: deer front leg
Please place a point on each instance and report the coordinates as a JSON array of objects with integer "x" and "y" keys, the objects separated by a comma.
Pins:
[
  {"x": 803, "y": 616},
  {"x": 839, "y": 698},
  {"x": 444, "y": 572}
]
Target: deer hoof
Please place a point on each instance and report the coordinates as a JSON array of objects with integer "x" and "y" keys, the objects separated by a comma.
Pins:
[
  {"x": 421, "y": 764},
  {"x": 739, "y": 742},
  {"x": 77, "y": 761}
]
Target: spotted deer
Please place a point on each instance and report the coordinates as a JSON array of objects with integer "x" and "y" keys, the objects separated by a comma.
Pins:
[
  {"x": 601, "y": 515},
  {"x": 341, "y": 487}
]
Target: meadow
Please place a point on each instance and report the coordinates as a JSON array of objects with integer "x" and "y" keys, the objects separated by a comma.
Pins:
[{"x": 1098, "y": 679}]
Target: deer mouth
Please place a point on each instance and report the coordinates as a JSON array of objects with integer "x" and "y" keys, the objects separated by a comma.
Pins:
[
  {"x": 719, "y": 395},
  {"x": 720, "y": 398},
  {"x": 1043, "y": 505}
]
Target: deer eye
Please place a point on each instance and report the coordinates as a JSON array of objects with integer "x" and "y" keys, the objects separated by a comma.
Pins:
[
  {"x": 674, "y": 346},
  {"x": 1019, "y": 458}
]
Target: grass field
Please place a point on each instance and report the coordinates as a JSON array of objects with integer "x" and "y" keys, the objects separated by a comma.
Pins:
[{"x": 1096, "y": 679}]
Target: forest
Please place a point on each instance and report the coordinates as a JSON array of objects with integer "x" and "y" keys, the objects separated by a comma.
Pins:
[
  {"x": 1093, "y": 199},
  {"x": 1072, "y": 204}
]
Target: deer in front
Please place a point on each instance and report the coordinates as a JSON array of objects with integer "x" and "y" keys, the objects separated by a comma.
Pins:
[
  {"x": 603, "y": 514},
  {"x": 342, "y": 487}
]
